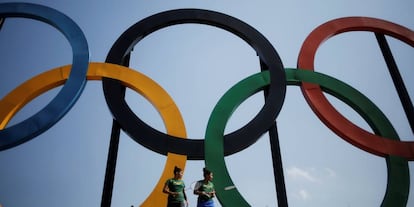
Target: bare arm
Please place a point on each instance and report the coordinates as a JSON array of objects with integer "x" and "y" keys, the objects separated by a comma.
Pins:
[
  {"x": 167, "y": 190},
  {"x": 185, "y": 195},
  {"x": 196, "y": 187}
]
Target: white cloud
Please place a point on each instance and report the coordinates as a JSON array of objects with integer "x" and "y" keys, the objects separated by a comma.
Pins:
[
  {"x": 297, "y": 173},
  {"x": 312, "y": 175},
  {"x": 301, "y": 194},
  {"x": 331, "y": 173},
  {"x": 308, "y": 181},
  {"x": 304, "y": 194}
]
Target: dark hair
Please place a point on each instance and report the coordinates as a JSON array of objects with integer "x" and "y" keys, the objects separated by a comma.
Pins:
[
  {"x": 177, "y": 170},
  {"x": 206, "y": 172}
]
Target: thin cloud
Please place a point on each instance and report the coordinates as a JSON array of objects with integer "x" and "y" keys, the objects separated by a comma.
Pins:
[
  {"x": 301, "y": 194},
  {"x": 314, "y": 178},
  {"x": 331, "y": 173},
  {"x": 304, "y": 194},
  {"x": 297, "y": 173}
]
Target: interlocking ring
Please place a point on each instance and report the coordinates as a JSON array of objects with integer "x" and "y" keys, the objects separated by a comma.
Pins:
[
  {"x": 325, "y": 111},
  {"x": 70, "y": 92},
  {"x": 138, "y": 82},
  {"x": 193, "y": 148},
  {"x": 385, "y": 142},
  {"x": 398, "y": 176}
]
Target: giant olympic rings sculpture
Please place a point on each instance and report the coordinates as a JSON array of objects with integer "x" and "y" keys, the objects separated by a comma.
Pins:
[{"x": 175, "y": 145}]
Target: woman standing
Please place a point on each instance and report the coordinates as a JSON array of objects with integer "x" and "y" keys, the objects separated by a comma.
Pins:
[
  {"x": 205, "y": 190},
  {"x": 174, "y": 187}
]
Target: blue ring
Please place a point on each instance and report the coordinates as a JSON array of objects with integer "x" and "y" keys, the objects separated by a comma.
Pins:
[{"x": 70, "y": 92}]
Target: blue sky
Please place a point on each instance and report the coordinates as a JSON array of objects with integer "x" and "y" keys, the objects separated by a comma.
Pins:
[{"x": 197, "y": 64}]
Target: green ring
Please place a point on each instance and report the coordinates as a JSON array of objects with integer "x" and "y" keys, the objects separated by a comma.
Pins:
[{"x": 398, "y": 172}]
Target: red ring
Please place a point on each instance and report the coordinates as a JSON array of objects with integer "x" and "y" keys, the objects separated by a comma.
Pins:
[{"x": 319, "y": 103}]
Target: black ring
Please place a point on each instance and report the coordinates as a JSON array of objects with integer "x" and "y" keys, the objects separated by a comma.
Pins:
[{"x": 194, "y": 148}]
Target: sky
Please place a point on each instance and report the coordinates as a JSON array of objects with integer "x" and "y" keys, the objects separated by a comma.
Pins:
[{"x": 196, "y": 64}]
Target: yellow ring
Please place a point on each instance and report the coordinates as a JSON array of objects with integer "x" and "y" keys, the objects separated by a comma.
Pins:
[{"x": 138, "y": 82}]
